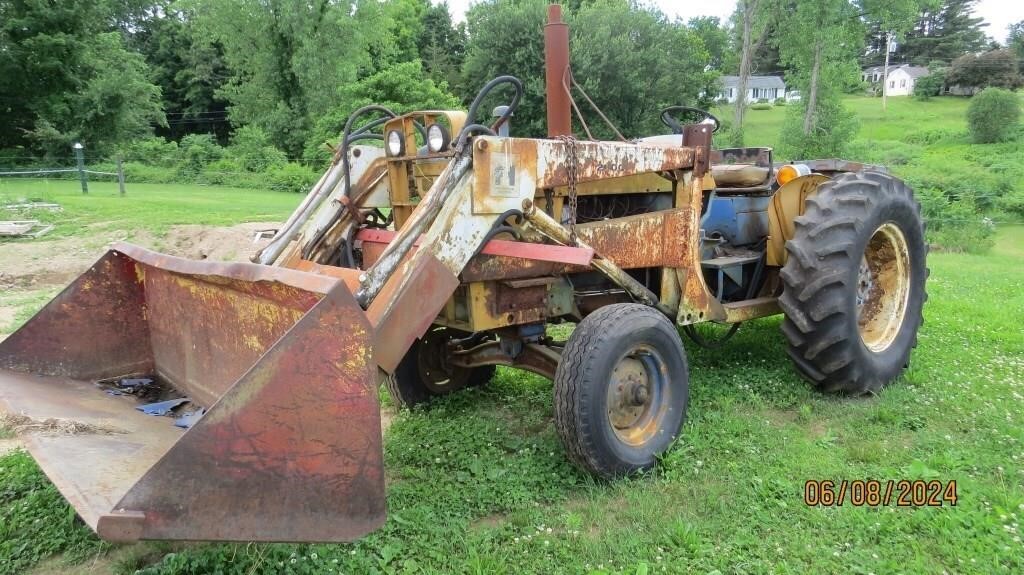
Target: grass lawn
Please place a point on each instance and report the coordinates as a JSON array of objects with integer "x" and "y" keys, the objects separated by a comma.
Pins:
[
  {"x": 150, "y": 207},
  {"x": 478, "y": 482}
]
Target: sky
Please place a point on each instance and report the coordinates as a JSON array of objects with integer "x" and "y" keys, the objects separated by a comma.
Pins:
[{"x": 998, "y": 13}]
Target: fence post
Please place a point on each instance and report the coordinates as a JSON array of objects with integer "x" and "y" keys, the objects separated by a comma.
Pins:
[
  {"x": 80, "y": 160},
  {"x": 120, "y": 174}
]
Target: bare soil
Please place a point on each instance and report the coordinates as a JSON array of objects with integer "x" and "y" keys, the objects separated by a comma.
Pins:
[{"x": 29, "y": 265}]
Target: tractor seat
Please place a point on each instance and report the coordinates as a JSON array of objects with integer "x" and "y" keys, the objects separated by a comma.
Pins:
[{"x": 739, "y": 175}]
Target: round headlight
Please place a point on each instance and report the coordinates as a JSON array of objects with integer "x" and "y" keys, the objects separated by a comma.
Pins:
[
  {"x": 395, "y": 143},
  {"x": 437, "y": 138}
]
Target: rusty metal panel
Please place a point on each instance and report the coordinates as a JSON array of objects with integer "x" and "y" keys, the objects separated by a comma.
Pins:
[
  {"x": 291, "y": 452},
  {"x": 645, "y": 240},
  {"x": 407, "y": 305},
  {"x": 95, "y": 328},
  {"x": 508, "y": 170}
]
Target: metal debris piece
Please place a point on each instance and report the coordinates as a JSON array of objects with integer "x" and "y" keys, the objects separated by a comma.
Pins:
[
  {"x": 134, "y": 382},
  {"x": 186, "y": 420},
  {"x": 162, "y": 407},
  {"x": 23, "y": 228}
]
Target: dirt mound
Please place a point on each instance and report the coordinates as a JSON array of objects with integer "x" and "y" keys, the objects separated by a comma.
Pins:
[
  {"x": 236, "y": 243},
  {"x": 57, "y": 262}
]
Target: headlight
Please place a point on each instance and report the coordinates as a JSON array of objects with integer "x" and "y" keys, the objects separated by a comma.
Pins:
[
  {"x": 438, "y": 138},
  {"x": 395, "y": 143}
]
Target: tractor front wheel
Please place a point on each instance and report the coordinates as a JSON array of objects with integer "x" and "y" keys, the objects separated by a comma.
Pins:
[
  {"x": 854, "y": 283},
  {"x": 424, "y": 372},
  {"x": 621, "y": 390}
]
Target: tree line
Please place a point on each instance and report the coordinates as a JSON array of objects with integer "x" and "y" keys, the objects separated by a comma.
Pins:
[{"x": 111, "y": 73}]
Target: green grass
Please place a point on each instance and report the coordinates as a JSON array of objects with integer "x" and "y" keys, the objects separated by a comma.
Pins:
[
  {"x": 478, "y": 483},
  {"x": 149, "y": 207}
]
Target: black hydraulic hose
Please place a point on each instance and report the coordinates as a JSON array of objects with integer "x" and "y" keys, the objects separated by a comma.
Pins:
[{"x": 474, "y": 108}]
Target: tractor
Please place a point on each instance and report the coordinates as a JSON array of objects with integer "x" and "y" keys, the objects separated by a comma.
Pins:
[{"x": 435, "y": 247}]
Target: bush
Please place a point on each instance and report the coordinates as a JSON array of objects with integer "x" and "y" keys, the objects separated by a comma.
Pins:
[
  {"x": 761, "y": 106},
  {"x": 762, "y": 100},
  {"x": 291, "y": 177},
  {"x": 252, "y": 151},
  {"x": 196, "y": 152},
  {"x": 927, "y": 86},
  {"x": 780, "y": 101},
  {"x": 955, "y": 225},
  {"x": 994, "y": 116},
  {"x": 152, "y": 152}
]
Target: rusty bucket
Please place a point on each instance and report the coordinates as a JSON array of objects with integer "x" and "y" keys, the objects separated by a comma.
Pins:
[{"x": 289, "y": 447}]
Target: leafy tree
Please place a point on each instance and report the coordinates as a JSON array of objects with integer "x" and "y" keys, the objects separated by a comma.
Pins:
[
  {"x": 994, "y": 116},
  {"x": 287, "y": 59},
  {"x": 188, "y": 71},
  {"x": 997, "y": 68},
  {"x": 442, "y": 46},
  {"x": 755, "y": 20},
  {"x": 1015, "y": 41},
  {"x": 819, "y": 46},
  {"x": 893, "y": 18},
  {"x": 506, "y": 37},
  {"x": 715, "y": 38},
  {"x": 67, "y": 76},
  {"x": 927, "y": 86},
  {"x": 943, "y": 32},
  {"x": 401, "y": 87}
]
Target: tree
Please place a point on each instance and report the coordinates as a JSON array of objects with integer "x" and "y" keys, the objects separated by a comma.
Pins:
[
  {"x": 631, "y": 60},
  {"x": 1015, "y": 41},
  {"x": 819, "y": 45},
  {"x": 943, "y": 33},
  {"x": 715, "y": 38},
  {"x": 755, "y": 19},
  {"x": 442, "y": 46},
  {"x": 67, "y": 76},
  {"x": 994, "y": 116},
  {"x": 286, "y": 60},
  {"x": 927, "y": 86},
  {"x": 401, "y": 87},
  {"x": 893, "y": 18},
  {"x": 996, "y": 68}
]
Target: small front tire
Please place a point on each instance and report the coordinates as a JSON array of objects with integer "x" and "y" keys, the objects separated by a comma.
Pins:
[
  {"x": 621, "y": 390},
  {"x": 425, "y": 373}
]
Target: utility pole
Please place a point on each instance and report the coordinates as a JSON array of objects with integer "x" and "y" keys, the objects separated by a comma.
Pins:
[
  {"x": 80, "y": 161},
  {"x": 885, "y": 70}
]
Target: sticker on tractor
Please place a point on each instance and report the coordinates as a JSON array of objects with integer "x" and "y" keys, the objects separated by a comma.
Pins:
[{"x": 503, "y": 175}]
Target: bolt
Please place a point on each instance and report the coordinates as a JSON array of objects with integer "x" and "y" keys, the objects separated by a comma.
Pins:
[
  {"x": 363, "y": 278},
  {"x": 482, "y": 144}
]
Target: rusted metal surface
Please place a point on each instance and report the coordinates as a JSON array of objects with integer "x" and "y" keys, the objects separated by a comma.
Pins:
[
  {"x": 557, "y": 232},
  {"x": 535, "y": 358},
  {"x": 556, "y": 64},
  {"x": 95, "y": 328},
  {"x": 736, "y": 312},
  {"x": 698, "y": 137},
  {"x": 511, "y": 249},
  {"x": 883, "y": 287},
  {"x": 696, "y": 302},
  {"x": 290, "y": 448},
  {"x": 640, "y": 241},
  {"x": 508, "y": 170},
  {"x": 407, "y": 305}
]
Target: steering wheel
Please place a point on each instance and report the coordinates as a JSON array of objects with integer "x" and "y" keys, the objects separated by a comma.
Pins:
[{"x": 677, "y": 128}]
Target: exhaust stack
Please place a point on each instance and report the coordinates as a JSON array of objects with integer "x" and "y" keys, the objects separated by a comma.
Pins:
[{"x": 556, "y": 67}]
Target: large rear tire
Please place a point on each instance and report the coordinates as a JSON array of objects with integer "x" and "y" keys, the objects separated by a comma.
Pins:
[
  {"x": 854, "y": 283},
  {"x": 425, "y": 373},
  {"x": 621, "y": 390}
]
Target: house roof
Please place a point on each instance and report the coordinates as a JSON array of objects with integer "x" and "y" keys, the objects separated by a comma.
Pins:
[
  {"x": 912, "y": 71},
  {"x": 755, "y": 82}
]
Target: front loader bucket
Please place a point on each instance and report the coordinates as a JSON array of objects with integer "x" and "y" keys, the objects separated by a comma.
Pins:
[{"x": 289, "y": 448}]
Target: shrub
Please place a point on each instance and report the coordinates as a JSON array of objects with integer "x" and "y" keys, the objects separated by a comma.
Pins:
[
  {"x": 252, "y": 151},
  {"x": 1013, "y": 203},
  {"x": 291, "y": 177},
  {"x": 152, "y": 152},
  {"x": 927, "y": 86},
  {"x": 196, "y": 151},
  {"x": 954, "y": 225},
  {"x": 780, "y": 101},
  {"x": 994, "y": 116},
  {"x": 762, "y": 100},
  {"x": 761, "y": 106}
]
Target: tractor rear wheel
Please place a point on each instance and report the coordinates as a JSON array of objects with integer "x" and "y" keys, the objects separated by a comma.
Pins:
[
  {"x": 424, "y": 372},
  {"x": 621, "y": 390},
  {"x": 854, "y": 283}
]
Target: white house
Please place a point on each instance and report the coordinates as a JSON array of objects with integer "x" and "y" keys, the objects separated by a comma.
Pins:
[
  {"x": 758, "y": 87},
  {"x": 901, "y": 78}
]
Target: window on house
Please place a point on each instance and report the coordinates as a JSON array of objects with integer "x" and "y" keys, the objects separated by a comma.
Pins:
[
  {"x": 903, "y": 83},
  {"x": 876, "y": 77},
  {"x": 892, "y": 83}
]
